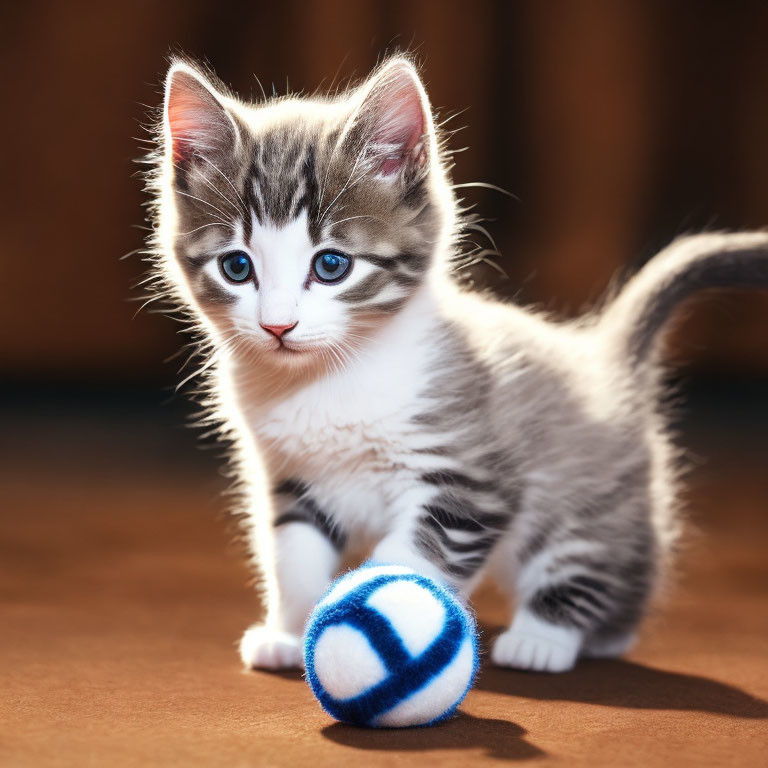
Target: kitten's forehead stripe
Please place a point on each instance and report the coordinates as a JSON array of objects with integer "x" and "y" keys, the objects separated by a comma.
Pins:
[
  {"x": 282, "y": 179},
  {"x": 310, "y": 199},
  {"x": 254, "y": 200}
]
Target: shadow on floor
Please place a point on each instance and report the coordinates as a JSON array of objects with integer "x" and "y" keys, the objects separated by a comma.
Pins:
[
  {"x": 617, "y": 683},
  {"x": 500, "y": 738},
  {"x": 609, "y": 683}
]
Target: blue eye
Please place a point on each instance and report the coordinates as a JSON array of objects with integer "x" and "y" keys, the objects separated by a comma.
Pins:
[
  {"x": 331, "y": 266},
  {"x": 236, "y": 266}
]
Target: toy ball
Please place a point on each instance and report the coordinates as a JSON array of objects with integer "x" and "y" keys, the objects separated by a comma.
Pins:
[{"x": 389, "y": 648}]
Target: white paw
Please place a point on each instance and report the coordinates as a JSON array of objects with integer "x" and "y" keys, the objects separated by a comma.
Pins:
[
  {"x": 264, "y": 648},
  {"x": 536, "y": 645}
]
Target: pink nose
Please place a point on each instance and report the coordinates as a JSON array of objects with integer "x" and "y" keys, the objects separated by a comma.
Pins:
[{"x": 278, "y": 330}]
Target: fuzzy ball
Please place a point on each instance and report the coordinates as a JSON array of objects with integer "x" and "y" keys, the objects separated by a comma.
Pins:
[{"x": 389, "y": 648}]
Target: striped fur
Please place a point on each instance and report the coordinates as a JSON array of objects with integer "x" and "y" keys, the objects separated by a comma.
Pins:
[{"x": 400, "y": 415}]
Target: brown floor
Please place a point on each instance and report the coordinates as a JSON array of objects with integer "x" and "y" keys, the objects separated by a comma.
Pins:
[{"x": 122, "y": 595}]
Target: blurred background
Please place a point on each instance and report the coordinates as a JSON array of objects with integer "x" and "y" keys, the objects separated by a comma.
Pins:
[{"x": 617, "y": 124}]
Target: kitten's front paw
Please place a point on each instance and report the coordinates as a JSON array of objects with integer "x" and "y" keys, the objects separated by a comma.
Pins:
[
  {"x": 264, "y": 648},
  {"x": 536, "y": 645}
]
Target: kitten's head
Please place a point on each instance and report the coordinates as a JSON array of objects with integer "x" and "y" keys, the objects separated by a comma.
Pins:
[{"x": 297, "y": 228}]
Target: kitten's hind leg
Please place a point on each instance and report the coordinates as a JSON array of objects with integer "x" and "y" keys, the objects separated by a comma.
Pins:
[
  {"x": 305, "y": 556},
  {"x": 573, "y": 599},
  {"x": 535, "y": 644}
]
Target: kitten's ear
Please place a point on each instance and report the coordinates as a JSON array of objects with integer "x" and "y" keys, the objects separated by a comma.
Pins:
[
  {"x": 196, "y": 121},
  {"x": 395, "y": 118}
]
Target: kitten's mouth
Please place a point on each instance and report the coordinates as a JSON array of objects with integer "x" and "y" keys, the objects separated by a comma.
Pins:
[
  {"x": 295, "y": 349},
  {"x": 288, "y": 348}
]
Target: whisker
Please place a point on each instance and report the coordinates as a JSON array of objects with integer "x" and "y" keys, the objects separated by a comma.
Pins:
[
  {"x": 226, "y": 178},
  {"x": 361, "y": 216},
  {"x": 203, "y": 226},
  {"x": 134, "y": 252},
  {"x": 219, "y": 192},
  {"x": 486, "y": 186},
  {"x": 343, "y": 189},
  {"x": 204, "y": 202}
]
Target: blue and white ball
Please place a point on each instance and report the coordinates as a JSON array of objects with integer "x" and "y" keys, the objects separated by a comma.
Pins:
[{"x": 389, "y": 648}]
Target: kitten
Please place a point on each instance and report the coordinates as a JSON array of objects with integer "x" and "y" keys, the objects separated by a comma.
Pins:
[{"x": 375, "y": 405}]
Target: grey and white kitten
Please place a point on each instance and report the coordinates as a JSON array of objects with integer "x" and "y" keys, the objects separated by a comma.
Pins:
[{"x": 376, "y": 406}]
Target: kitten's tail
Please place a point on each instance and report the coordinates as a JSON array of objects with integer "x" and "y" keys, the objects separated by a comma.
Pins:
[{"x": 633, "y": 320}]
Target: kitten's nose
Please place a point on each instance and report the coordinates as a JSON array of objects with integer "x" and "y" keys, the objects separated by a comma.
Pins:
[{"x": 279, "y": 330}]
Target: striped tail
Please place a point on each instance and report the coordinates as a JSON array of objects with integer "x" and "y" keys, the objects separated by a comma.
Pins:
[{"x": 633, "y": 320}]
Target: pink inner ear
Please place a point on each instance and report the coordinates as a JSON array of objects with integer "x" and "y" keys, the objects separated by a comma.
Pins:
[
  {"x": 399, "y": 122},
  {"x": 183, "y": 127},
  {"x": 192, "y": 114}
]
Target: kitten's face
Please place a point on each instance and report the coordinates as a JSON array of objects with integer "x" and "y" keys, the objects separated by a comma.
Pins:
[{"x": 297, "y": 229}]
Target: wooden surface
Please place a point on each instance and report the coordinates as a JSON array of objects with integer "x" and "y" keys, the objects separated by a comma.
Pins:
[{"x": 123, "y": 593}]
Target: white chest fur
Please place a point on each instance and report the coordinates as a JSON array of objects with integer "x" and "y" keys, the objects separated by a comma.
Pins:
[{"x": 350, "y": 435}]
